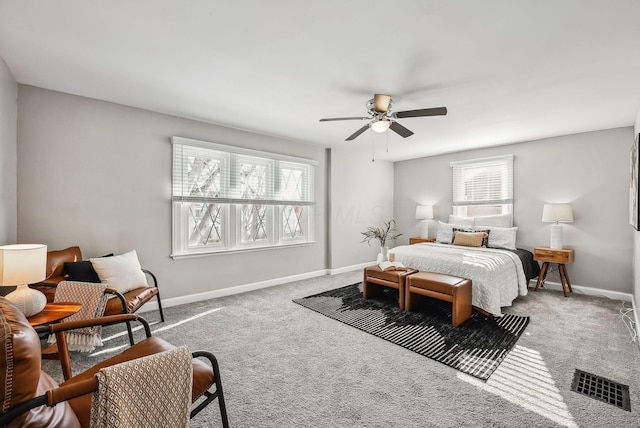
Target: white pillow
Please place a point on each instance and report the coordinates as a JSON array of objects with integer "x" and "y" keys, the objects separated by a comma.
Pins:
[
  {"x": 445, "y": 231},
  {"x": 501, "y": 237},
  {"x": 461, "y": 221},
  {"x": 500, "y": 220},
  {"x": 122, "y": 273}
]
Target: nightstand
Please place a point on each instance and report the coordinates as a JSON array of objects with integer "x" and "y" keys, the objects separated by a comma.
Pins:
[
  {"x": 417, "y": 240},
  {"x": 561, "y": 257}
]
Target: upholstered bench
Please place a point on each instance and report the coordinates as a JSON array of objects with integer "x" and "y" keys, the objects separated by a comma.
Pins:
[
  {"x": 392, "y": 279},
  {"x": 442, "y": 287}
]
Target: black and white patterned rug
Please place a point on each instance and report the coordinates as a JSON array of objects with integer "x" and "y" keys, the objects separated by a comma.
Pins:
[{"x": 477, "y": 347}]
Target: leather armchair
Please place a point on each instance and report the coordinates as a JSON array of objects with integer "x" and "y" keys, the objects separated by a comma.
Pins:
[
  {"x": 31, "y": 398},
  {"x": 128, "y": 302},
  {"x": 55, "y": 270}
]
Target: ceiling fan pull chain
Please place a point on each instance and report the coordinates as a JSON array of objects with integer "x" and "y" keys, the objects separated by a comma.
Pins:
[{"x": 373, "y": 156}]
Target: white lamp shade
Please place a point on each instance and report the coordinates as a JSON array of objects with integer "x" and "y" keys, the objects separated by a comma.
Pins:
[
  {"x": 22, "y": 264},
  {"x": 424, "y": 212},
  {"x": 552, "y": 213}
]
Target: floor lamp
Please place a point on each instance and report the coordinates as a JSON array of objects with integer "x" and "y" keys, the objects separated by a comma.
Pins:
[
  {"x": 21, "y": 265},
  {"x": 557, "y": 213}
]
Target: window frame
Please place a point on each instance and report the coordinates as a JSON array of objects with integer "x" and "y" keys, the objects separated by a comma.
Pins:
[
  {"x": 230, "y": 197},
  {"x": 461, "y": 204}
]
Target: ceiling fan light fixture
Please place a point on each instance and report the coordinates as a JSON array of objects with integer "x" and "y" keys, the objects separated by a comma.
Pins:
[
  {"x": 380, "y": 125},
  {"x": 381, "y": 102}
]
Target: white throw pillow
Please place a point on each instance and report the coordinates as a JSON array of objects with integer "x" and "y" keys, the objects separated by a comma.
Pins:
[
  {"x": 461, "y": 221},
  {"x": 500, "y": 220},
  {"x": 445, "y": 231},
  {"x": 501, "y": 237},
  {"x": 122, "y": 273}
]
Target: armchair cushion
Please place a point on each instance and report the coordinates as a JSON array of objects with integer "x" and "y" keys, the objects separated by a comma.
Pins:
[
  {"x": 134, "y": 300},
  {"x": 203, "y": 376},
  {"x": 21, "y": 376},
  {"x": 122, "y": 273},
  {"x": 81, "y": 271}
]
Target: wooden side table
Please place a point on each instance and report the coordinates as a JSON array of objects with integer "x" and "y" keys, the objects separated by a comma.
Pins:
[
  {"x": 54, "y": 312},
  {"x": 417, "y": 240},
  {"x": 562, "y": 257}
]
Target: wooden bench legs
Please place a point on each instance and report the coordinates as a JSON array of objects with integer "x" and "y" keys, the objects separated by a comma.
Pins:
[
  {"x": 442, "y": 287},
  {"x": 374, "y": 276},
  {"x": 448, "y": 288}
]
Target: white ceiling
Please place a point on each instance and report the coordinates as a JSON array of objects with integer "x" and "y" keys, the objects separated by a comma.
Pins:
[{"x": 507, "y": 71}]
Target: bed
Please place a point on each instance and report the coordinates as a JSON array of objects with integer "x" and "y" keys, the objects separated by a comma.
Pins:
[{"x": 500, "y": 272}]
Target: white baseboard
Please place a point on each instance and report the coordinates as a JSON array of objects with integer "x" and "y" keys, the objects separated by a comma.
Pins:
[
  {"x": 350, "y": 268},
  {"x": 191, "y": 298},
  {"x": 591, "y": 291}
]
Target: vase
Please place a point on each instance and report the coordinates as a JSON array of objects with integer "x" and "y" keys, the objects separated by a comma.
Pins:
[{"x": 384, "y": 253}]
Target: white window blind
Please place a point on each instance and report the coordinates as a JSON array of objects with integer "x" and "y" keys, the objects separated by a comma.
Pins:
[
  {"x": 482, "y": 186},
  {"x": 227, "y": 198}
]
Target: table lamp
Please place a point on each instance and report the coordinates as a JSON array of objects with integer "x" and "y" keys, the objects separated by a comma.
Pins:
[
  {"x": 21, "y": 265},
  {"x": 424, "y": 213},
  {"x": 557, "y": 213}
]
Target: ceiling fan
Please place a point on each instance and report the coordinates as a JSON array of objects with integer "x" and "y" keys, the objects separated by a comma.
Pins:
[{"x": 382, "y": 118}]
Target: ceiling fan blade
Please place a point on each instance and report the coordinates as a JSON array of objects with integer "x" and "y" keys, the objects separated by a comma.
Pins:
[
  {"x": 331, "y": 119},
  {"x": 358, "y": 132},
  {"x": 381, "y": 102},
  {"x": 436, "y": 111},
  {"x": 400, "y": 130}
]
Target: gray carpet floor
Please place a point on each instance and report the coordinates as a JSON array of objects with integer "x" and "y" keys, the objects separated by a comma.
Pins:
[{"x": 286, "y": 366}]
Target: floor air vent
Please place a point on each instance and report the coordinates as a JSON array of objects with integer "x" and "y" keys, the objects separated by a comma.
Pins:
[{"x": 601, "y": 389}]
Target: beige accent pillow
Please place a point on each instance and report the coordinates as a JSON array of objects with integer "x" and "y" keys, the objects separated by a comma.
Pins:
[
  {"x": 122, "y": 273},
  {"x": 469, "y": 239}
]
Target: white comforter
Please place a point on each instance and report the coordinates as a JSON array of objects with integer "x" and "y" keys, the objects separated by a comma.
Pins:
[{"x": 497, "y": 275}]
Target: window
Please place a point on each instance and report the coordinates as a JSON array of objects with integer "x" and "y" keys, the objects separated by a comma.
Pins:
[
  {"x": 483, "y": 186},
  {"x": 227, "y": 198}
]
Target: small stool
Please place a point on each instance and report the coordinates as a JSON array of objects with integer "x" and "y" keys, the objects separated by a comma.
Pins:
[
  {"x": 391, "y": 278},
  {"x": 442, "y": 287}
]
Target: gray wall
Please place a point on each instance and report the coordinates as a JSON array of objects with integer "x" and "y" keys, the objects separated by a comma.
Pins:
[
  {"x": 361, "y": 196},
  {"x": 98, "y": 175},
  {"x": 8, "y": 159},
  {"x": 589, "y": 170}
]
